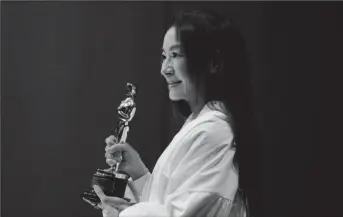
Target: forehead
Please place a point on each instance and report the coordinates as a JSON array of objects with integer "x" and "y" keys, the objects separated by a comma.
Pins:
[{"x": 170, "y": 38}]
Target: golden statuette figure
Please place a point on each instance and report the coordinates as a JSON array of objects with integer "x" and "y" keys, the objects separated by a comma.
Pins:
[{"x": 113, "y": 182}]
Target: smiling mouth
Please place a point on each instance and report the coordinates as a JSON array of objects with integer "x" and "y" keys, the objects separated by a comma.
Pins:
[{"x": 171, "y": 84}]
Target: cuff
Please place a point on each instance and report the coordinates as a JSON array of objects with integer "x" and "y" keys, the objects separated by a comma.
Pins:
[{"x": 137, "y": 185}]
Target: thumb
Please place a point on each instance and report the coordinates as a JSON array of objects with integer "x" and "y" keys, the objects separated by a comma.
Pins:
[
  {"x": 99, "y": 192},
  {"x": 124, "y": 167},
  {"x": 115, "y": 201},
  {"x": 110, "y": 212}
]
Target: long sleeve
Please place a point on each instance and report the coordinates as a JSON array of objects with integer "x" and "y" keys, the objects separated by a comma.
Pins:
[
  {"x": 197, "y": 177},
  {"x": 196, "y": 204},
  {"x": 135, "y": 188}
]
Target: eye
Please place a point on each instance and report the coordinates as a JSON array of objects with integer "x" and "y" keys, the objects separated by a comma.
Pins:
[
  {"x": 163, "y": 57},
  {"x": 175, "y": 55}
]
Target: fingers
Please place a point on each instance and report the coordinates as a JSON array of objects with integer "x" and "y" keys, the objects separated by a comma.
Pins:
[
  {"x": 88, "y": 201},
  {"x": 107, "y": 209},
  {"x": 112, "y": 159},
  {"x": 113, "y": 156},
  {"x": 115, "y": 201},
  {"x": 99, "y": 192},
  {"x": 118, "y": 147},
  {"x": 111, "y": 140},
  {"x": 111, "y": 162},
  {"x": 106, "y": 201},
  {"x": 108, "y": 155},
  {"x": 96, "y": 206}
]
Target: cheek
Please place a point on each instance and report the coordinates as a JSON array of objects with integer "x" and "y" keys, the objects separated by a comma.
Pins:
[
  {"x": 181, "y": 70},
  {"x": 188, "y": 86},
  {"x": 188, "y": 89}
]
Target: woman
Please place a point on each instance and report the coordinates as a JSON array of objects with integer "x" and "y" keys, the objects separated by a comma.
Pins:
[{"x": 204, "y": 64}]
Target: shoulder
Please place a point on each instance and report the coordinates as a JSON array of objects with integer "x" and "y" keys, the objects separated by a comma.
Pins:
[
  {"x": 213, "y": 129},
  {"x": 208, "y": 136}
]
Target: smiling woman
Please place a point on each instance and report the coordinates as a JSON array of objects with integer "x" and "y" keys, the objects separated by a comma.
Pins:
[
  {"x": 174, "y": 69},
  {"x": 209, "y": 163}
]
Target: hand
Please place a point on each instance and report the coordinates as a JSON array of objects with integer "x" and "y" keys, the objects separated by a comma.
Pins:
[
  {"x": 111, "y": 206},
  {"x": 107, "y": 211},
  {"x": 131, "y": 161},
  {"x": 91, "y": 203},
  {"x": 112, "y": 159}
]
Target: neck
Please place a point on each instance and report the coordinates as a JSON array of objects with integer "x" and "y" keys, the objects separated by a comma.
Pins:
[{"x": 196, "y": 107}]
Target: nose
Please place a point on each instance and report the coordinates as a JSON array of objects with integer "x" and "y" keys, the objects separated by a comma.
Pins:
[{"x": 167, "y": 69}]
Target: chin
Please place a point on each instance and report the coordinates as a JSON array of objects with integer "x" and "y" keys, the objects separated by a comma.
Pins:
[{"x": 173, "y": 97}]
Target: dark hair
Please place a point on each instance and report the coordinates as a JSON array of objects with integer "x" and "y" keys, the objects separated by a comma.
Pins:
[{"x": 208, "y": 38}]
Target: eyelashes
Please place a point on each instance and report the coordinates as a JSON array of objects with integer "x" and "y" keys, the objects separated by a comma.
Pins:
[
  {"x": 163, "y": 57},
  {"x": 178, "y": 54},
  {"x": 173, "y": 55}
]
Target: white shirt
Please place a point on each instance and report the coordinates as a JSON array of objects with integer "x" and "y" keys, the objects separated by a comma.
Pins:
[{"x": 194, "y": 176}]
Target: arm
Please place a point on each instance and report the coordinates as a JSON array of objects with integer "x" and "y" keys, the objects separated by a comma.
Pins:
[
  {"x": 201, "y": 173},
  {"x": 135, "y": 188},
  {"x": 133, "y": 192}
]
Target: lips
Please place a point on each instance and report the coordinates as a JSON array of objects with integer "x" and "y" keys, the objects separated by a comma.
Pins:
[{"x": 174, "y": 82}]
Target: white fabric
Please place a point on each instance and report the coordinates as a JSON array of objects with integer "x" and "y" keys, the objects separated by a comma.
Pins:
[{"x": 194, "y": 176}]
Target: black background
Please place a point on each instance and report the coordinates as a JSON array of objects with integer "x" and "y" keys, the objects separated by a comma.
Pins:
[{"x": 64, "y": 68}]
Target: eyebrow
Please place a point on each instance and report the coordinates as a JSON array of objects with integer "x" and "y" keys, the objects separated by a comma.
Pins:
[{"x": 173, "y": 47}]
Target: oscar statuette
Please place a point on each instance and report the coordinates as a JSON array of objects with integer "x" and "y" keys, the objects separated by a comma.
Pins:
[{"x": 113, "y": 182}]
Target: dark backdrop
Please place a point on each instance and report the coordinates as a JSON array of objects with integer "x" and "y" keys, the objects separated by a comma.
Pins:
[{"x": 64, "y": 68}]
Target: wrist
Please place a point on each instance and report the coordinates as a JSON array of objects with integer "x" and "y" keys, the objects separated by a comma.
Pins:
[{"x": 140, "y": 173}]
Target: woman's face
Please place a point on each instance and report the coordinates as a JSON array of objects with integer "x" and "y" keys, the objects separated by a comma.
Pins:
[{"x": 174, "y": 69}]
